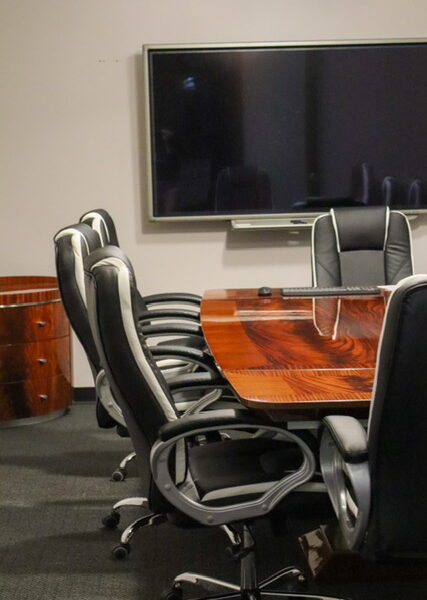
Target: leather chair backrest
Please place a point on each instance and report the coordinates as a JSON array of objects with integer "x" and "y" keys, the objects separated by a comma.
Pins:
[
  {"x": 397, "y": 436},
  {"x": 72, "y": 245},
  {"x": 136, "y": 381},
  {"x": 363, "y": 246},
  {"x": 100, "y": 220}
]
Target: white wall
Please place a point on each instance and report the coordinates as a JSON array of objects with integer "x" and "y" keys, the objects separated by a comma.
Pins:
[{"x": 72, "y": 135}]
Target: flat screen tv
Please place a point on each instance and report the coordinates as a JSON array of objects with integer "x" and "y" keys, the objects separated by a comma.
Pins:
[{"x": 239, "y": 131}]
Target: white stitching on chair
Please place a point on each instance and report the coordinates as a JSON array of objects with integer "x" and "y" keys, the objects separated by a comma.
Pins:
[
  {"x": 313, "y": 249},
  {"x": 132, "y": 337},
  {"x": 76, "y": 238}
]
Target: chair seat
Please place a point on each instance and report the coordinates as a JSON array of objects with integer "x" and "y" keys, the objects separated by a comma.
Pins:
[{"x": 240, "y": 468}]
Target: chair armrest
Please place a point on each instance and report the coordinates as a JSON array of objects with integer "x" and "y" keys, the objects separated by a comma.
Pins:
[
  {"x": 105, "y": 396},
  {"x": 214, "y": 419},
  {"x": 345, "y": 469},
  {"x": 204, "y": 380},
  {"x": 173, "y": 297},
  {"x": 168, "y": 313},
  {"x": 172, "y": 435},
  {"x": 192, "y": 355},
  {"x": 349, "y": 436},
  {"x": 182, "y": 329}
]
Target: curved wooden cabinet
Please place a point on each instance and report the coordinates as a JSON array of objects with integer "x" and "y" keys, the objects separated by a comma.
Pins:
[{"x": 35, "y": 352}]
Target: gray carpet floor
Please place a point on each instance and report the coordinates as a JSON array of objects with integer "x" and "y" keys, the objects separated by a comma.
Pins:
[{"x": 54, "y": 490}]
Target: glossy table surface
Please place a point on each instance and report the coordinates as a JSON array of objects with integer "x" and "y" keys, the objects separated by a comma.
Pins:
[{"x": 291, "y": 353}]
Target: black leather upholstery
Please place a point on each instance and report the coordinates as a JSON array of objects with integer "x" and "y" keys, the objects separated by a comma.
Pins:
[
  {"x": 376, "y": 479},
  {"x": 350, "y": 437},
  {"x": 143, "y": 395},
  {"x": 361, "y": 247},
  {"x": 72, "y": 245},
  {"x": 151, "y": 406},
  {"x": 69, "y": 243},
  {"x": 142, "y": 413},
  {"x": 358, "y": 229},
  {"x": 101, "y": 221},
  {"x": 219, "y": 419},
  {"x": 240, "y": 462},
  {"x": 396, "y": 440}
]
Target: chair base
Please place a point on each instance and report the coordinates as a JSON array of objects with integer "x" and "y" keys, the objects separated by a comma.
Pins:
[
  {"x": 236, "y": 593},
  {"x": 249, "y": 588}
]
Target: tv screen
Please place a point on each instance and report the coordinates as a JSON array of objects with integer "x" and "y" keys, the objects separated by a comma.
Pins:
[{"x": 286, "y": 130}]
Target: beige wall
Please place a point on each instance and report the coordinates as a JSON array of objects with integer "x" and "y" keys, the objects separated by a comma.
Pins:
[{"x": 72, "y": 134}]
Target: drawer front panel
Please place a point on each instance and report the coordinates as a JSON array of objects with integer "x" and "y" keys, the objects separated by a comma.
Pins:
[
  {"x": 34, "y": 397},
  {"x": 31, "y": 323},
  {"x": 35, "y": 360}
]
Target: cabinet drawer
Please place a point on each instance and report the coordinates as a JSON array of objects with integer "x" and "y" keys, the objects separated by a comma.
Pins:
[
  {"x": 34, "y": 397},
  {"x": 31, "y": 323},
  {"x": 35, "y": 360}
]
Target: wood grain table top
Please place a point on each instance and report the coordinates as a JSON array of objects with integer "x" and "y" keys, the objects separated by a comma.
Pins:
[{"x": 292, "y": 353}]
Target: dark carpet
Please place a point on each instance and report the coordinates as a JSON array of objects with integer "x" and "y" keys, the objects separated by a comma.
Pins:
[{"x": 54, "y": 490}]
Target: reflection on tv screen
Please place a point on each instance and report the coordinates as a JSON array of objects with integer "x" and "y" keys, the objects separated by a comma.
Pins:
[{"x": 277, "y": 130}]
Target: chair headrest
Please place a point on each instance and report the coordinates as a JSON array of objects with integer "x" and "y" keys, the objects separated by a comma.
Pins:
[
  {"x": 89, "y": 238},
  {"x": 108, "y": 255},
  {"x": 361, "y": 228},
  {"x": 100, "y": 220}
]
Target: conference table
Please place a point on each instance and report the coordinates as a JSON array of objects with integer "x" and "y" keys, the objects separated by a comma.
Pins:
[{"x": 296, "y": 357}]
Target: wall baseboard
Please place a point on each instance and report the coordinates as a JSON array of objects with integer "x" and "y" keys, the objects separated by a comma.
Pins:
[{"x": 84, "y": 394}]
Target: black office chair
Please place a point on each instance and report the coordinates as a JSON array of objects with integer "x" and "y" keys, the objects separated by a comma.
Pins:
[
  {"x": 101, "y": 221},
  {"x": 365, "y": 246},
  {"x": 377, "y": 480},
  {"x": 219, "y": 483},
  {"x": 72, "y": 245},
  {"x": 179, "y": 356}
]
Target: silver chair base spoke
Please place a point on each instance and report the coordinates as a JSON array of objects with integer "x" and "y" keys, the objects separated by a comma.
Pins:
[
  {"x": 145, "y": 521},
  {"x": 298, "y": 596},
  {"x": 291, "y": 573},
  {"x": 133, "y": 501},
  {"x": 111, "y": 520},
  {"x": 123, "y": 549},
  {"x": 121, "y": 472},
  {"x": 271, "y": 595},
  {"x": 208, "y": 583}
]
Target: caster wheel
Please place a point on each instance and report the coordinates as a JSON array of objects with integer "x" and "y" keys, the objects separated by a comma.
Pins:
[
  {"x": 121, "y": 551},
  {"x": 175, "y": 593},
  {"x": 119, "y": 474},
  {"x": 112, "y": 520},
  {"x": 296, "y": 583}
]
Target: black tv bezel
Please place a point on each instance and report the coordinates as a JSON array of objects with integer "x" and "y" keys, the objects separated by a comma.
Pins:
[{"x": 253, "y": 220}]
